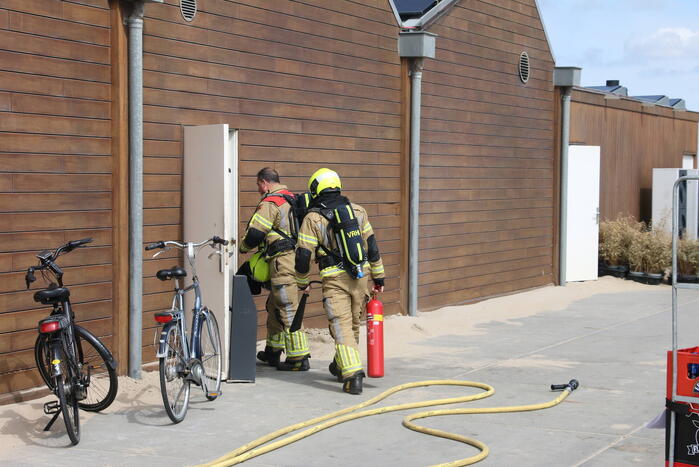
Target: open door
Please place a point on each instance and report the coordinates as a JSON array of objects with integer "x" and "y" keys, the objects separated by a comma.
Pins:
[
  {"x": 582, "y": 232},
  {"x": 211, "y": 208}
]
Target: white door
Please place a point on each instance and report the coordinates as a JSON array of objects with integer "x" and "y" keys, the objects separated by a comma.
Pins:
[
  {"x": 582, "y": 232},
  {"x": 211, "y": 208}
]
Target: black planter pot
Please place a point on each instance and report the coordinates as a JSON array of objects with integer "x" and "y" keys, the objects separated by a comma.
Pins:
[
  {"x": 689, "y": 278},
  {"x": 645, "y": 277},
  {"x": 620, "y": 271}
]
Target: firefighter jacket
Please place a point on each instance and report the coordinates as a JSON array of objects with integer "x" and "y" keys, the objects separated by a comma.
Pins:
[
  {"x": 316, "y": 231},
  {"x": 270, "y": 221}
]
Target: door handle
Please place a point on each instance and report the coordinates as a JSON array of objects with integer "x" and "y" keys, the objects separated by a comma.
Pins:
[{"x": 227, "y": 252}]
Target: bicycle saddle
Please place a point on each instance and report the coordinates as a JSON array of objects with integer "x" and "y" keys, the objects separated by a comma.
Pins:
[
  {"x": 50, "y": 296},
  {"x": 167, "y": 274}
]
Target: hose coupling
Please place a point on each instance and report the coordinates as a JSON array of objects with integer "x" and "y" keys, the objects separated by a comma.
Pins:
[{"x": 571, "y": 386}]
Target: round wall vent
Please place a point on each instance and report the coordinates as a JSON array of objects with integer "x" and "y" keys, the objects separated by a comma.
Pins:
[
  {"x": 188, "y": 8},
  {"x": 524, "y": 69}
]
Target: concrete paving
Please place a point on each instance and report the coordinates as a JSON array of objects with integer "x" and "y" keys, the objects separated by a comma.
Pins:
[{"x": 614, "y": 344}]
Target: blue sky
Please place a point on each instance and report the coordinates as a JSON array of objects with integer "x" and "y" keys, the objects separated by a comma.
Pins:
[{"x": 650, "y": 46}]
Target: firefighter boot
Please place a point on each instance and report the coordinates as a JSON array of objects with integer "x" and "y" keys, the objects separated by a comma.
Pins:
[
  {"x": 295, "y": 365},
  {"x": 270, "y": 356},
  {"x": 353, "y": 384},
  {"x": 332, "y": 368}
]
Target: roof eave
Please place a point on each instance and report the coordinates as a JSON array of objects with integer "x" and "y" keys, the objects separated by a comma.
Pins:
[
  {"x": 425, "y": 20},
  {"x": 395, "y": 12},
  {"x": 435, "y": 13}
]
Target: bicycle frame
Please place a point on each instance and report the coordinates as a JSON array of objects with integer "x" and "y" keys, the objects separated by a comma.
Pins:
[
  {"x": 57, "y": 338},
  {"x": 191, "y": 348}
]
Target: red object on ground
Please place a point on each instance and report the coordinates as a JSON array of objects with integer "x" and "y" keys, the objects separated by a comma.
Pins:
[
  {"x": 687, "y": 425},
  {"x": 374, "y": 337},
  {"x": 687, "y": 372}
]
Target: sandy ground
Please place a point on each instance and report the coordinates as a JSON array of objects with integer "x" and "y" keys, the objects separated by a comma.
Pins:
[{"x": 403, "y": 334}]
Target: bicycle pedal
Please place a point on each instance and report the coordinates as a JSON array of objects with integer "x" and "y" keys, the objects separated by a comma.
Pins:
[
  {"x": 213, "y": 394},
  {"x": 51, "y": 408}
]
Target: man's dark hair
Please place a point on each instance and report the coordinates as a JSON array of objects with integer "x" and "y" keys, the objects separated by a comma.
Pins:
[{"x": 268, "y": 174}]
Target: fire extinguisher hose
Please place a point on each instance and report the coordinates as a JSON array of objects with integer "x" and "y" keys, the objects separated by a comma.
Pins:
[{"x": 252, "y": 449}]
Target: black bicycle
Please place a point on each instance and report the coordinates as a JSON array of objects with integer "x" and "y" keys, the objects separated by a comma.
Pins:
[{"x": 73, "y": 363}]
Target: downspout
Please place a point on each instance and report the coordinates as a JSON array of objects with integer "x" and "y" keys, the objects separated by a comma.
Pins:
[
  {"x": 416, "y": 45},
  {"x": 415, "y": 106},
  {"x": 565, "y": 142},
  {"x": 135, "y": 25},
  {"x": 565, "y": 78}
]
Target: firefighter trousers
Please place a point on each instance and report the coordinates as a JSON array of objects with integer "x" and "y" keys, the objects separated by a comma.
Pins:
[
  {"x": 344, "y": 301},
  {"x": 281, "y": 306}
]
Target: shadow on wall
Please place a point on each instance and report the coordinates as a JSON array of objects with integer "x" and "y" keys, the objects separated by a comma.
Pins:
[{"x": 646, "y": 211}]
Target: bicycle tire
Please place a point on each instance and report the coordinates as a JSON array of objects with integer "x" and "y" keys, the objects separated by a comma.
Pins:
[
  {"x": 65, "y": 391},
  {"x": 42, "y": 357},
  {"x": 210, "y": 356},
  {"x": 93, "y": 357},
  {"x": 174, "y": 387}
]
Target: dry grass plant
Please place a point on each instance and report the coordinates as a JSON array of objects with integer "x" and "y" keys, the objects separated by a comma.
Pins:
[
  {"x": 688, "y": 257},
  {"x": 616, "y": 237},
  {"x": 650, "y": 251}
]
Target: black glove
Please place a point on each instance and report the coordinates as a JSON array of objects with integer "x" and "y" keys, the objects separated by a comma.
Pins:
[{"x": 379, "y": 282}]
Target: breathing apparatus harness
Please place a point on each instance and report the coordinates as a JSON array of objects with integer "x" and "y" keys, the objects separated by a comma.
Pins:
[
  {"x": 349, "y": 254},
  {"x": 298, "y": 206}
]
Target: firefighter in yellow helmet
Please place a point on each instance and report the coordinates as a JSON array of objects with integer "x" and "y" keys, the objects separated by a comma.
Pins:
[
  {"x": 338, "y": 235},
  {"x": 270, "y": 227}
]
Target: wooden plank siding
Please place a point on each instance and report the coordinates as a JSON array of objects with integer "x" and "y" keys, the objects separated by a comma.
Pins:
[
  {"x": 634, "y": 138},
  {"x": 55, "y": 167},
  {"x": 486, "y": 174},
  {"x": 307, "y": 84}
]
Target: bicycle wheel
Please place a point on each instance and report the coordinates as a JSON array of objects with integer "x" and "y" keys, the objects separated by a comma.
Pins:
[
  {"x": 174, "y": 387},
  {"x": 42, "y": 356},
  {"x": 210, "y": 356},
  {"x": 65, "y": 384},
  {"x": 100, "y": 378}
]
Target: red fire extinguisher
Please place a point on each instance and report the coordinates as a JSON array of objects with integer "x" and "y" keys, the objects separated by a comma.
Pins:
[{"x": 374, "y": 337}]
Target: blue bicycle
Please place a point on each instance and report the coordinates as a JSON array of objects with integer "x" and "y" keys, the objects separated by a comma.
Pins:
[{"x": 199, "y": 360}]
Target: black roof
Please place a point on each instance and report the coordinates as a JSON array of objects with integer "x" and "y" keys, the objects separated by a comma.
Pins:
[
  {"x": 656, "y": 99},
  {"x": 611, "y": 89},
  {"x": 413, "y": 8}
]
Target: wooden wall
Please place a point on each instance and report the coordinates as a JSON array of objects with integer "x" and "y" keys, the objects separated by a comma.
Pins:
[
  {"x": 307, "y": 85},
  {"x": 634, "y": 139},
  {"x": 55, "y": 167},
  {"x": 486, "y": 189}
]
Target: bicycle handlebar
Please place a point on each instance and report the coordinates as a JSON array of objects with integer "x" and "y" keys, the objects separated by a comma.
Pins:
[
  {"x": 48, "y": 258},
  {"x": 182, "y": 246}
]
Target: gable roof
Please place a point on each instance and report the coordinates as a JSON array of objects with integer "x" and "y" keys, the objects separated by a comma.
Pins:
[{"x": 420, "y": 14}]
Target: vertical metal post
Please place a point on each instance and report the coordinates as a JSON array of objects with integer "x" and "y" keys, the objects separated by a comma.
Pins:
[
  {"x": 135, "y": 24},
  {"x": 675, "y": 286},
  {"x": 673, "y": 391},
  {"x": 565, "y": 142},
  {"x": 415, "y": 105}
]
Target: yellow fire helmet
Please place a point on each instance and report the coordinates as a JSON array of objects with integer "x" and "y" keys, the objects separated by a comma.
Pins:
[
  {"x": 259, "y": 267},
  {"x": 323, "y": 179}
]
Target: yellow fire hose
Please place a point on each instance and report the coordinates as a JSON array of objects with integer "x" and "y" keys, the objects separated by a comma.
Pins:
[{"x": 248, "y": 451}]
